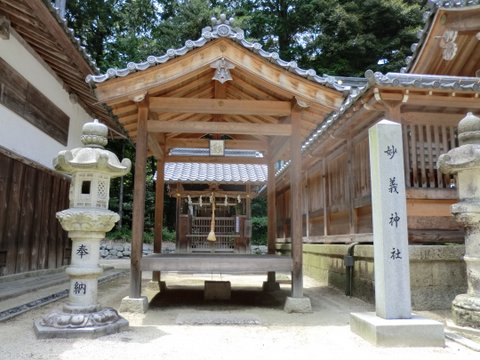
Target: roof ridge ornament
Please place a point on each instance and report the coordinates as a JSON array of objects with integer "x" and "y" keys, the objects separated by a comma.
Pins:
[{"x": 223, "y": 28}]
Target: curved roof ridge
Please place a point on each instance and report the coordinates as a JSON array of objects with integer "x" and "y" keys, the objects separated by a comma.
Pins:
[{"x": 223, "y": 28}]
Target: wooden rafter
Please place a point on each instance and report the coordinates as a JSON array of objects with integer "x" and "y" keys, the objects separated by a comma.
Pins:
[
  {"x": 220, "y": 106},
  {"x": 219, "y": 128},
  {"x": 204, "y": 143}
]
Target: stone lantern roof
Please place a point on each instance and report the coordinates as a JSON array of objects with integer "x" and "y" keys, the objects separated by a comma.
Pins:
[{"x": 92, "y": 156}]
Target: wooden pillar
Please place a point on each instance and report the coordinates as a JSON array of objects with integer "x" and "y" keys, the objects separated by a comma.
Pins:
[
  {"x": 306, "y": 205},
  {"x": 325, "y": 187},
  {"x": 272, "y": 214},
  {"x": 248, "y": 202},
  {"x": 296, "y": 204},
  {"x": 178, "y": 224},
  {"x": 158, "y": 227},
  {"x": 139, "y": 200},
  {"x": 353, "y": 216}
]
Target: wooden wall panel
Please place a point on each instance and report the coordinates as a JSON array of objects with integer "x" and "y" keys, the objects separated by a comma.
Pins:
[
  {"x": 361, "y": 169},
  {"x": 338, "y": 182},
  {"x": 31, "y": 238},
  {"x": 21, "y": 97}
]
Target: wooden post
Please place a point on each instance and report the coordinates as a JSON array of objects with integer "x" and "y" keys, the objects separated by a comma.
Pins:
[
  {"x": 326, "y": 213},
  {"x": 352, "y": 212},
  {"x": 248, "y": 203},
  {"x": 296, "y": 204},
  {"x": 139, "y": 201},
  {"x": 159, "y": 195},
  {"x": 272, "y": 214},
  {"x": 178, "y": 224}
]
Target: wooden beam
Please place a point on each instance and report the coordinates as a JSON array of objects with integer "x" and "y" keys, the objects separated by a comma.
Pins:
[
  {"x": 433, "y": 118},
  {"x": 296, "y": 231},
  {"x": 217, "y": 263},
  {"x": 448, "y": 100},
  {"x": 154, "y": 146},
  {"x": 199, "y": 127},
  {"x": 216, "y": 159},
  {"x": 220, "y": 106},
  {"x": 220, "y": 92},
  {"x": 218, "y": 193},
  {"x": 139, "y": 201},
  {"x": 279, "y": 149},
  {"x": 470, "y": 103},
  {"x": 463, "y": 22},
  {"x": 204, "y": 143}
]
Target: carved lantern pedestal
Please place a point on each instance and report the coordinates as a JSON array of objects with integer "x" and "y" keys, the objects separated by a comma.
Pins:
[
  {"x": 87, "y": 220},
  {"x": 464, "y": 161}
]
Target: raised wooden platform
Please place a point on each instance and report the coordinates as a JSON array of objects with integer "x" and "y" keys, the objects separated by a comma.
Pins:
[{"x": 216, "y": 263}]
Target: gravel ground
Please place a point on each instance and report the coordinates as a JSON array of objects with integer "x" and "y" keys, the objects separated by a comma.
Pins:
[{"x": 159, "y": 334}]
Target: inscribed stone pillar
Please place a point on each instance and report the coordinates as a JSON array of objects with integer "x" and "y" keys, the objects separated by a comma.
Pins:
[
  {"x": 389, "y": 213},
  {"x": 393, "y": 323},
  {"x": 464, "y": 161}
]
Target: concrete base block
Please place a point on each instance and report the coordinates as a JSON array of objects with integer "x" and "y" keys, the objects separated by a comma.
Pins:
[
  {"x": 134, "y": 305},
  {"x": 217, "y": 290},
  {"x": 157, "y": 286},
  {"x": 298, "y": 305},
  {"x": 269, "y": 286},
  {"x": 417, "y": 331}
]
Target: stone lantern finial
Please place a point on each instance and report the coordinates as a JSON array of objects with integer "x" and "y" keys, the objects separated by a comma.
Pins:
[
  {"x": 469, "y": 130},
  {"x": 94, "y": 134}
]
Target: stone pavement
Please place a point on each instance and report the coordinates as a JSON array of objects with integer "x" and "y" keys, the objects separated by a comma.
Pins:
[{"x": 184, "y": 292}]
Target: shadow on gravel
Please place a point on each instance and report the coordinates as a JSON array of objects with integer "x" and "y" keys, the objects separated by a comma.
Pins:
[{"x": 240, "y": 298}]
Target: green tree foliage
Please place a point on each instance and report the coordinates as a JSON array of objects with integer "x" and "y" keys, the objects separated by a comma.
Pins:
[{"x": 338, "y": 37}]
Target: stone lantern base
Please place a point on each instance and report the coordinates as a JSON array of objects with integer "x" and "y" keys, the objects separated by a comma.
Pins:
[
  {"x": 466, "y": 310},
  {"x": 89, "y": 324}
]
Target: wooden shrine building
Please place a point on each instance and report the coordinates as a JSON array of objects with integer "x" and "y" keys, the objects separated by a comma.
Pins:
[
  {"x": 219, "y": 93},
  {"x": 214, "y": 198},
  {"x": 222, "y": 93}
]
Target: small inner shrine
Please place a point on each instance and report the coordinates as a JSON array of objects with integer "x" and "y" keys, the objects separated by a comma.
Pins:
[{"x": 213, "y": 218}]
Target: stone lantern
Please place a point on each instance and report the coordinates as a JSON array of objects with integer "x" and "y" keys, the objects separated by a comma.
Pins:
[
  {"x": 464, "y": 161},
  {"x": 87, "y": 220}
]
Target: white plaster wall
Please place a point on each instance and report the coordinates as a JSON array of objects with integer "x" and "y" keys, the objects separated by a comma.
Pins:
[{"x": 18, "y": 135}]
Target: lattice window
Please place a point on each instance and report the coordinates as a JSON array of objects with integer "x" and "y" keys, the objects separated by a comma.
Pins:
[
  {"x": 102, "y": 190},
  {"x": 424, "y": 144}
]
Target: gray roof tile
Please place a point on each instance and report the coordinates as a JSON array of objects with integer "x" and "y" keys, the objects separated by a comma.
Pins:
[{"x": 208, "y": 172}]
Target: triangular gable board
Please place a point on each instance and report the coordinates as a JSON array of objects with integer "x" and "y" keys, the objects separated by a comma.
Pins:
[
  {"x": 450, "y": 42},
  {"x": 190, "y": 65}
]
